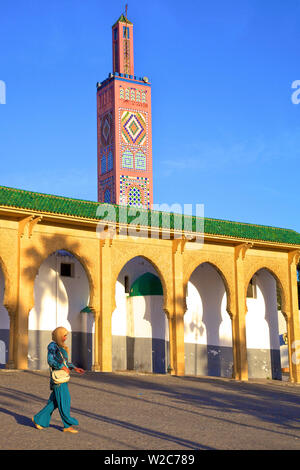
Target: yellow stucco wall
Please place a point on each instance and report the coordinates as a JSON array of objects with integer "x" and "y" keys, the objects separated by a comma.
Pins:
[{"x": 27, "y": 239}]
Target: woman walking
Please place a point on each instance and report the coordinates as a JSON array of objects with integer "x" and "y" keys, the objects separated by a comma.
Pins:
[{"x": 60, "y": 397}]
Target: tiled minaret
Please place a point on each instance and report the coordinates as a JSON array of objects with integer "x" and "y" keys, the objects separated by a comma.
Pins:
[{"x": 124, "y": 127}]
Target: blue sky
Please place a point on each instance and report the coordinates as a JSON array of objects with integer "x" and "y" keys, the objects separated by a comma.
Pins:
[{"x": 225, "y": 131}]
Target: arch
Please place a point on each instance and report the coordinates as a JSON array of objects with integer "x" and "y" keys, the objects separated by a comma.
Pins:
[
  {"x": 157, "y": 269},
  {"x": 54, "y": 246},
  {"x": 61, "y": 293},
  {"x": 220, "y": 271},
  {"x": 207, "y": 323},
  {"x": 277, "y": 276},
  {"x": 140, "y": 328},
  {"x": 262, "y": 324}
]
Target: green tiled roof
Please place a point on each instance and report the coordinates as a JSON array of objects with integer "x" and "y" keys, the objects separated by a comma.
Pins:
[
  {"x": 122, "y": 19},
  {"x": 47, "y": 203}
]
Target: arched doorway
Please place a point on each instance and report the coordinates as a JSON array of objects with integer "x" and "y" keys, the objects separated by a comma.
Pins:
[
  {"x": 207, "y": 325},
  {"x": 140, "y": 332},
  {"x": 264, "y": 325},
  {"x": 4, "y": 325},
  {"x": 61, "y": 293}
]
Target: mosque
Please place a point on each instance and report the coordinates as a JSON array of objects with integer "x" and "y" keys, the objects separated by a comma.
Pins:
[{"x": 139, "y": 289}]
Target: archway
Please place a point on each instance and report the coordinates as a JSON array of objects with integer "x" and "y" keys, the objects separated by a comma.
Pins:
[
  {"x": 140, "y": 331},
  {"x": 61, "y": 294},
  {"x": 4, "y": 325},
  {"x": 264, "y": 325},
  {"x": 207, "y": 324}
]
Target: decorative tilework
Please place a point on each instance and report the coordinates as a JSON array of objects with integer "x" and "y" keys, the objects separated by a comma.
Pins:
[
  {"x": 106, "y": 129},
  {"x": 107, "y": 195},
  {"x": 140, "y": 196},
  {"x": 109, "y": 161},
  {"x": 127, "y": 159},
  {"x": 103, "y": 164},
  {"x": 140, "y": 161},
  {"x": 106, "y": 159},
  {"x": 134, "y": 197},
  {"x": 133, "y": 94},
  {"x": 106, "y": 189},
  {"x": 133, "y": 128}
]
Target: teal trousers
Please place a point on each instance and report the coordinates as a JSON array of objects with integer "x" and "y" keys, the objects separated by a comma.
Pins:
[{"x": 60, "y": 398}]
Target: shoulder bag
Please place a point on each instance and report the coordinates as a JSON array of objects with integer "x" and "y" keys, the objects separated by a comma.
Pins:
[{"x": 60, "y": 376}]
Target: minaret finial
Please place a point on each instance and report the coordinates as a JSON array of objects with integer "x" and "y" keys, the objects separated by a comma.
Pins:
[{"x": 126, "y": 8}]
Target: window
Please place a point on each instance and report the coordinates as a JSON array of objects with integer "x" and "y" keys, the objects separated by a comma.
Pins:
[
  {"x": 107, "y": 196},
  {"x": 251, "y": 291},
  {"x": 125, "y": 32},
  {"x": 109, "y": 161},
  {"x": 115, "y": 34},
  {"x": 103, "y": 164},
  {"x": 67, "y": 269}
]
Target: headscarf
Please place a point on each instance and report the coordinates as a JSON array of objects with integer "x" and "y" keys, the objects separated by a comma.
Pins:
[{"x": 57, "y": 336}]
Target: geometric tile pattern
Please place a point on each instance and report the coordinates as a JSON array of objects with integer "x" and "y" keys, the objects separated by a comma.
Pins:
[
  {"x": 133, "y": 94},
  {"x": 133, "y": 128},
  {"x": 134, "y": 197},
  {"x": 109, "y": 161},
  {"x": 106, "y": 159},
  {"x": 107, "y": 196},
  {"x": 134, "y": 191},
  {"x": 140, "y": 161},
  {"x": 106, "y": 190},
  {"x": 106, "y": 129},
  {"x": 127, "y": 159}
]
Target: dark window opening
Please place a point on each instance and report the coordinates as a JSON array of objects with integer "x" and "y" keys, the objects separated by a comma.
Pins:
[{"x": 66, "y": 269}]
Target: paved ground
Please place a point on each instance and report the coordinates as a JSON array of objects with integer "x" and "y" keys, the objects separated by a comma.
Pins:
[{"x": 152, "y": 412}]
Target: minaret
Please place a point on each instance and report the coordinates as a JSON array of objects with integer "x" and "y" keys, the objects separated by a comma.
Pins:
[{"x": 124, "y": 127}]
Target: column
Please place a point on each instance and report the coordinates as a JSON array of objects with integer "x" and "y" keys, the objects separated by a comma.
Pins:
[
  {"x": 293, "y": 327},
  {"x": 107, "y": 293},
  {"x": 176, "y": 316},
  {"x": 239, "y": 346}
]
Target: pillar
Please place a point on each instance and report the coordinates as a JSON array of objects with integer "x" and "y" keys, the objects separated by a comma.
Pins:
[
  {"x": 107, "y": 293},
  {"x": 293, "y": 327},
  {"x": 239, "y": 346},
  {"x": 177, "y": 310}
]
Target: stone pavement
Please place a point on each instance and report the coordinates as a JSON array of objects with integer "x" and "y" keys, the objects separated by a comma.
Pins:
[{"x": 132, "y": 411}]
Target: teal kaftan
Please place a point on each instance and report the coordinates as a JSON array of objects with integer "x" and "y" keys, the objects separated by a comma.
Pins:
[{"x": 60, "y": 397}]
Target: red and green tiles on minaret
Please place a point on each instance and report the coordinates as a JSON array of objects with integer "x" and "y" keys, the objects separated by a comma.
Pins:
[{"x": 124, "y": 127}]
